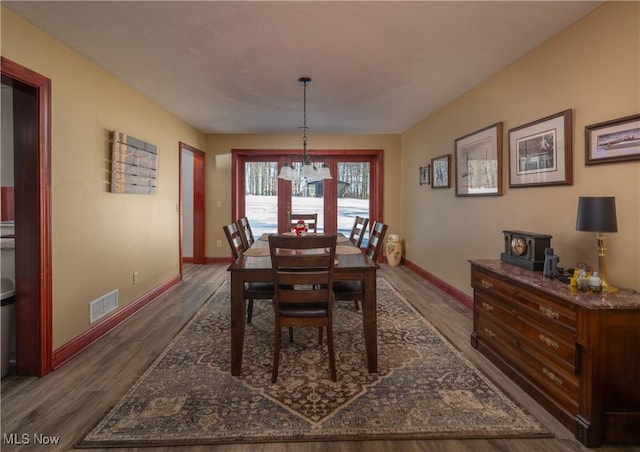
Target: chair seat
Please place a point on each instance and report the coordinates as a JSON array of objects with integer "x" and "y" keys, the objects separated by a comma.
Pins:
[
  {"x": 262, "y": 287},
  {"x": 306, "y": 310},
  {"x": 347, "y": 287}
]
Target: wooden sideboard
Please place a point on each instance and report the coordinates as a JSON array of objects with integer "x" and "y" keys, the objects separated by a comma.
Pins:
[{"x": 577, "y": 354}]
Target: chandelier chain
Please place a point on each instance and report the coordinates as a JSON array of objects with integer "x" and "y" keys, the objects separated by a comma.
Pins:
[{"x": 304, "y": 127}]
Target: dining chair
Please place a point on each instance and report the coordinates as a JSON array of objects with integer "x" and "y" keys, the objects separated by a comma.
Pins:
[
  {"x": 358, "y": 230},
  {"x": 310, "y": 219},
  {"x": 245, "y": 232},
  {"x": 232, "y": 232},
  {"x": 376, "y": 236},
  {"x": 303, "y": 295},
  {"x": 354, "y": 290},
  {"x": 253, "y": 290}
]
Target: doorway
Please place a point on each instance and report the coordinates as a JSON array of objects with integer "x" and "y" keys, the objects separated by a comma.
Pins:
[
  {"x": 192, "y": 205},
  {"x": 355, "y": 189},
  {"x": 32, "y": 190}
]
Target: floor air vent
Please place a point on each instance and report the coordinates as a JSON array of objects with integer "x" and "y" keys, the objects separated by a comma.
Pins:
[{"x": 102, "y": 306}]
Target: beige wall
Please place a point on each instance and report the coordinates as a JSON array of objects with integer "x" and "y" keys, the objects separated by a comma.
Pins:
[
  {"x": 218, "y": 164},
  {"x": 99, "y": 238},
  {"x": 592, "y": 68}
]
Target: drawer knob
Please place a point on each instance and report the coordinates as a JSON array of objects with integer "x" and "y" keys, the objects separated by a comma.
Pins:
[
  {"x": 487, "y": 307},
  {"x": 551, "y": 376},
  {"x": 549, "y": 312},
  {"x": 490, "y": 334},
  {"x": 548, "y": 341},
  {"x": 514, "y": 290},
  {"x": 486, "y": 284}
]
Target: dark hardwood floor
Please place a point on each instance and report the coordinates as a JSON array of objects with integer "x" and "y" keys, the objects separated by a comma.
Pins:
[{"x": 69, "y": 401}]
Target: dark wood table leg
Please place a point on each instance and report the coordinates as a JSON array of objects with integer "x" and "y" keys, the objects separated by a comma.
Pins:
[
  {"x": 370, "y": 320},
  {"x": 237, "y": 322}
]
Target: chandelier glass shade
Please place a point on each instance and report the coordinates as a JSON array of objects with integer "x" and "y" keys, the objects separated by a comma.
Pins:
[{"x": 309, "y": 170}]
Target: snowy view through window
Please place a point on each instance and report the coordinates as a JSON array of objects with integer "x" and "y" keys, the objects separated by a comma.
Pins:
[
  {"x": 261, "y": 201},
  {"x": 262, "y": 212}
]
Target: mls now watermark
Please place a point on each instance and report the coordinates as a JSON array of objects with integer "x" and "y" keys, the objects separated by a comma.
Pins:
[{"x": 32, "y": 439}]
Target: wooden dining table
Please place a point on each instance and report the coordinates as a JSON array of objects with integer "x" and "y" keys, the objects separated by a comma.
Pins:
[{"x": 254, "y": 265}]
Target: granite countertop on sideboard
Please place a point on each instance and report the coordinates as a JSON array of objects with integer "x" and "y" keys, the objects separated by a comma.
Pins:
[{"x": 623, "y": 299}]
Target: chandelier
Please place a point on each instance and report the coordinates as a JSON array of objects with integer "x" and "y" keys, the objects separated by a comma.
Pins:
[{"x": 309, "y": 170}]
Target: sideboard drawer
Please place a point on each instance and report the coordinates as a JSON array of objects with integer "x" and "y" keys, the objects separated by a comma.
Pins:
[
  {"x": 560, "y": 315},
  {"x": 554, "y": 343}
]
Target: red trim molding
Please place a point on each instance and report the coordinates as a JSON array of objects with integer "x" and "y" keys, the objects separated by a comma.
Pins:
[
  {"x": 32, "y": 190},
  {"x": 75, "y": 346},
  {"x": 447, "y": 288}
]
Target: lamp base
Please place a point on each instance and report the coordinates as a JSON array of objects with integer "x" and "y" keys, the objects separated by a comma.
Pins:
[
  {"x": 602, "y": 264},
  {"x": 608, "y": 288}
]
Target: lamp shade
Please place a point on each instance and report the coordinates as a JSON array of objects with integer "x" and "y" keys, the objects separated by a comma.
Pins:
[
  {"x": 286, "y": 173},
  {"x": 309, "y": 172},
  {"x": 324, "y": 172},
  {"x": 597, "y": 214}
]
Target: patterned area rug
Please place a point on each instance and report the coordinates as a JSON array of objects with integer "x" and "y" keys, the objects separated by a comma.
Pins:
[{"x": 425, "y": 388}]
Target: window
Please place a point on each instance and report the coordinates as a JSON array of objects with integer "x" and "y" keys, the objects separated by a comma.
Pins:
[{"x": 356, "y": 189}]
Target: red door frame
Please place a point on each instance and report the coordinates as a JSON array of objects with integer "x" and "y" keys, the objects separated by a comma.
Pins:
[
  {"x": 199, "y": 217},
  {"x": 331, "y": 157},
  {"x": 32, "y": 134}
]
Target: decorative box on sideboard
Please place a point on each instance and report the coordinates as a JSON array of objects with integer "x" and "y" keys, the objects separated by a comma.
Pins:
[{"x": 577, "y": 354}]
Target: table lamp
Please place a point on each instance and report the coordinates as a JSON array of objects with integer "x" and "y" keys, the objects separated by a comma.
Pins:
[{"x": 598, "y": 214}]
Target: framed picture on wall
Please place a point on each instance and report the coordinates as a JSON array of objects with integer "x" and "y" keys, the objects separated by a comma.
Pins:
[
  {"x": 540, "y": 152},
  {"x": 617, "y": 140},
  {"x": 424, "y": 174},
  {"x": 479, "y": 162},
  {"x": 441, "y": 171}
]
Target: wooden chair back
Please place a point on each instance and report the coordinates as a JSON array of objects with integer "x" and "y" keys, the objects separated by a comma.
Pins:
[
  {"x": 376, "y": 236},
  {"x": 311, "y": 220},
  {"x": 245, "y": 232},
  {"x": 358, "y": 230},
  {"x": 232, "y": 232},
  {"x": 306, "y": 260}
]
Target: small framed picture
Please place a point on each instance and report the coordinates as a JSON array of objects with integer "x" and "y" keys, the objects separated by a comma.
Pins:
[
  {"x": 441, "y": 171},
  {"x": 425, "y": 174},
  {"x": 617, "y": 140},
  {"x": 479, "y": 162},
  {"x": 540, "y": 152}
]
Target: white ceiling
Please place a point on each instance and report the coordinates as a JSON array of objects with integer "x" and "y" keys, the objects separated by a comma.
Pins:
[{"x": 232, "y": 67}]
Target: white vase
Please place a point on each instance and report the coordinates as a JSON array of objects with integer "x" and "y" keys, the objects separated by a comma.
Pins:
[{"x": 394, "y": 250}]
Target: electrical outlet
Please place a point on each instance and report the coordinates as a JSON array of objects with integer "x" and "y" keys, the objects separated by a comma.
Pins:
[
  {"x": 135, "y": 277},
  {"x": 219, "y": 244}
]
